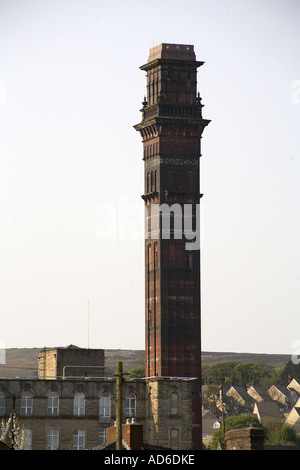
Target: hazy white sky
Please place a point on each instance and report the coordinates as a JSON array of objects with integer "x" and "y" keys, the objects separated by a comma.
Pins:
[{"x": 70, "y": 93}]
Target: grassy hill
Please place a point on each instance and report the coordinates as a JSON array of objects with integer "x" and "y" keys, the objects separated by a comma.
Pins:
[
  {"x": 23, "y": 362},
  {"x": 276, "y": 360}
]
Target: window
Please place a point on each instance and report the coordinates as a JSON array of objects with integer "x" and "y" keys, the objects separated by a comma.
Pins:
[
  {"x": 102, "y": 436},
  {"x": 104, "y": 405},
  {"x": 28, "y": 439},
  {"x": 26, "y": 404},
  {"x": 79, "y": 404},
  {"x": 174, "y": 439},
  {"x": 174, "y": 404},
  {"x": 52, "y": 439},
  {"x": 130, "y": 404},
  {"x": 53, "y": 404},
  {"x": 78, "y": 439},
  {"x": 216, "y": 425},
  {"x": 2, "y": 404}
]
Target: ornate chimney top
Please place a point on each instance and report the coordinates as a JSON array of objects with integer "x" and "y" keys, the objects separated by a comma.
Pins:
[{"x": 172, "y": 52}]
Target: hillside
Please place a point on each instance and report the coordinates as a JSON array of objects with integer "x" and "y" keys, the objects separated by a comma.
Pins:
[
  {"x": 276, "y": 360},
  {"x": 23, "y": 362}
]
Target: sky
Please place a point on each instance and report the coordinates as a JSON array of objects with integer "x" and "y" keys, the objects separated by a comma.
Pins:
[{"x": 71, "y": 170}]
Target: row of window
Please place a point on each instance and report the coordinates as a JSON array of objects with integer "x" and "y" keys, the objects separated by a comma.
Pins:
[
  {"x": 53, "y": 439},
  {"x": 151, "y": 183},
  {"x": 151, "y": 149},
  {"x": 26, "y": 408},
  {"x": 79, "y": 439}
]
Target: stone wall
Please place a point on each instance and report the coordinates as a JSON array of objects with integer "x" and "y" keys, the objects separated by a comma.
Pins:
[
  {"x": 39, "y": 422},
  {"x": 61, "y": 362},
  {"x": 163, "y": 409},
  {"x": 169, "y": 413},
  {"x": 244, "y": 439}
]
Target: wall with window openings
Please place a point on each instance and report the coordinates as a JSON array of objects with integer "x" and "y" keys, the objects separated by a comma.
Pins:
[
  {"x": 169, "y": 413},
  {"x": 68, "y": 414},
  {"x": 74, "y": 414}
]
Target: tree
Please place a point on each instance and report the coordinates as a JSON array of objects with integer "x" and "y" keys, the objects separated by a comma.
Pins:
[
  {"x": 243, "y": 373},
  {"x": 210, "y": 398},
  {"x": 291, "y": 371},
  {"x": 278, "y": 434},
  {"x": 221, "y": 370},
  {"x": 287, "y": 436},
  {"x": 12, "y": 434},
  {"x": 233, "y": 422},
  {"x": 205, "y": 374},
  {"x": 252, "y": 373},
  {"x": 232, "y": 406},
  {"x": 136, "y": 372}
]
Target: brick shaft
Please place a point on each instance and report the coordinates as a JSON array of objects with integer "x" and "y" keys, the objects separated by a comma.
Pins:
[{"x": 171, "y": 129}]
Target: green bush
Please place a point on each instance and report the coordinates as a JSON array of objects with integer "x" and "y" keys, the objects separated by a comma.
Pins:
[
  {"x": 136, "y": 372},
  {"x": 233, "y": 422},
  {"x": 278, "y": 434}
]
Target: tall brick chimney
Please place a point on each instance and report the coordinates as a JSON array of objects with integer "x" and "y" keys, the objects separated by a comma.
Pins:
[{"x": 171, "y": 130}]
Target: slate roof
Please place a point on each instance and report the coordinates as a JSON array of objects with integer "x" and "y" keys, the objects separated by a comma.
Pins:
[
  {"x": 267, "y": 409},
  {"x": 208, "y": 420},
  {"x": 257, "y": 390}
]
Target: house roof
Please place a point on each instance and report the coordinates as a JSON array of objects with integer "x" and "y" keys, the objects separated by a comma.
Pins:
[
  {"x": 208, "y": 421},
  {"x": 281, "y": 388},
  {"x": 239, "y": 389},
  {"x": 208, "y": 425},
  {"x": 257, "y": 390},
  {"x": 294, "y": 396},
  {"x": 226, "y": 386},
  {"x": 297, "y": 410},
  {"x": 207, "y": 414},
  {"x": 294, "y": 385},
  {"x": 291, "y": 418},
  {"x": 267, "y": 409},
  {"x": 242, "y": 392}
]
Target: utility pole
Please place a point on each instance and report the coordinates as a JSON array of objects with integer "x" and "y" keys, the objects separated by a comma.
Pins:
[
  {"x": 223, "y": 414},
  {"x": 119, "y": 406}
]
